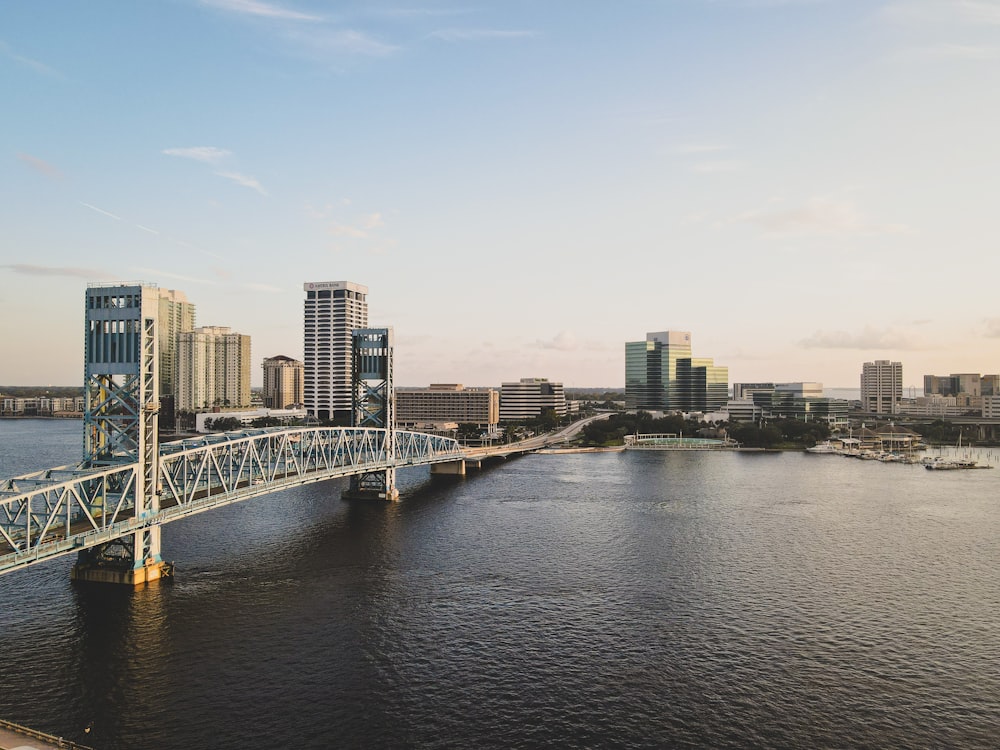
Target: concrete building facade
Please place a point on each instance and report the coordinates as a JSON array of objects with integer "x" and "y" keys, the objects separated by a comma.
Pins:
[
  {"x": 175, "y": 316},
  {"x": 283, "y": 382},
  {"x": 881, "y": 386},
  {"x": 333, "y": 309},
  {"x": 529, "y": 397},
  {"x": 213, "y": 368},
  {"x": 442, "y": 403}
]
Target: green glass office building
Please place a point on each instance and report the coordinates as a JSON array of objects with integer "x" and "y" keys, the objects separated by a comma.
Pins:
[{"x": 661, "y": 375}]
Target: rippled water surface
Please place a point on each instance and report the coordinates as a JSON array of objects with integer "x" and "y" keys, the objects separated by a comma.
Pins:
[{"x": 591, "y": 600}]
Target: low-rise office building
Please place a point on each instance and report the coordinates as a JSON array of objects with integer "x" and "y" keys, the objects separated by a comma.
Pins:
[
  {"x": 529, "y": 398},
  {"x": 42, "y": 406},
  {"x": 443, "y": 403}
]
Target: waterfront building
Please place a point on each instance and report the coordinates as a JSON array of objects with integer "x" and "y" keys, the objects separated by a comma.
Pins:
[
  {"x": 213, "y": 368},
  {"x": 651, "y": 381},
  {"x": 42, "y": 406},
  {"x": 247, "y": 417},
  {"x": 743, "y": 391},
  {"x": 283, "y": 382},
  {"x": 704, "y": 385},
  {"x": 991, "y": 407},
  {"x": 881, "y": 386},
  {"x": 802, "y": 401},
  {"x": 442, "y": 403},
  {"x": 933, "y": 406},
  {"x": 333, "y": 309},
  {"x": 529, "y": 397},
  {"x": 962, "y": 384},
  {"x": 662, "y": 375}
]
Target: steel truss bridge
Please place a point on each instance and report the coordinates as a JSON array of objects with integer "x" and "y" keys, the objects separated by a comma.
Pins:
[{"x": 68, "y": 509}]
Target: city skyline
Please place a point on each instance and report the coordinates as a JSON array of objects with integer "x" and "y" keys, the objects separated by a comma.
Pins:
[{"x": 805, "y": 185}]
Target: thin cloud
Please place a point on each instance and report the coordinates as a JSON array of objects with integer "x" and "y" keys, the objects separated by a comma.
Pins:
[
  {"x": 992, "y": 328},
  {"x": 938, "y": 12},
  {"x": 360, "y": 230},
  {"x": 41, "y": 166},
  {"x": 818, "y": 216},
  {"x": 101, "y": 211},
  {"x": 407, "y": 13},
  {"x": 701, "y": 148},
  {"x": 255, "y": 287},
  {"x": 345, "y": 230},
  {"x": 471, "y": 35},
  {"x": 71, "y": 271},
  {"x": 976, "y": 53},
  {"x": 156, "y": 273},
  {"x": 717, "y": 167},
  {"x": 564, "y": 341},
  {"x": 260, "y": 10},
  {"x": 38, "y": 67},
  {"x": 205, "y": 154},
  {"x": 868, "y": 338},
  {"x": 321, "y": 43},
  {"x": 244, "y": 180}
]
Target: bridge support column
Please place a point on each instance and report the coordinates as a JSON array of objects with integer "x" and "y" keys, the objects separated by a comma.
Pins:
[
  {"x": 450, "y": 468},
  {"x": 376, "y": 485},
  {"x": 132, "y": 560}
]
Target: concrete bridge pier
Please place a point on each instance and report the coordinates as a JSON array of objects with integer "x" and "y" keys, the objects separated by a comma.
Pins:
[
  {"x": 117, "y": 561},
  {"x": 374, "y": 485},
  {"x": 449, "y": 468}
]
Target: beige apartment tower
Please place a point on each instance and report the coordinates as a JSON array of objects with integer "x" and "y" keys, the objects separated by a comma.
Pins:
[
  {"x": 175, "y": 316},
  {"x": 213, "y": 369},
  {"x": 283, "y": 381},
  {"x": 881, "y": 386}
]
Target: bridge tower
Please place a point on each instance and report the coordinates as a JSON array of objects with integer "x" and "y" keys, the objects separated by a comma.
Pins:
[
  {"x": 120, "y": 424},
  {"x": 374, "y": 405}
]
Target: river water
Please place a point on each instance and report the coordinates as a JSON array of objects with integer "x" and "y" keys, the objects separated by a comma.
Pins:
[{"x": 615, "y": 600}]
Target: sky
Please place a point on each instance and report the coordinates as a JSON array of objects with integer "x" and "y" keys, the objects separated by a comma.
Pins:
[{"x": 523, "y": 186}]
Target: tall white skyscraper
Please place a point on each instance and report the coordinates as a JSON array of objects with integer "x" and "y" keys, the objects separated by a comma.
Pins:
[{"x": 332, "y": 310}]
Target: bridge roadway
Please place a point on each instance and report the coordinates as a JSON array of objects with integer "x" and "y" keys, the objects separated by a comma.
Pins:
[{"x": 59, "y": 511}]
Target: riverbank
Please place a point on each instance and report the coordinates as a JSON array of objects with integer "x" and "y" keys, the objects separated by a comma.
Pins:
[{"x": 607, "y": 449}]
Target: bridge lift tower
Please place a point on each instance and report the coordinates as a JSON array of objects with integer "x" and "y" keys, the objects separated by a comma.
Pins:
[
  {"x": 374, "y": 405},
  {"x": 120, "y": 425}
]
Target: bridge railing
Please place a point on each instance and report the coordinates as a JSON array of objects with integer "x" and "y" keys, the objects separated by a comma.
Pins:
[{"x": 57, "y": 511}]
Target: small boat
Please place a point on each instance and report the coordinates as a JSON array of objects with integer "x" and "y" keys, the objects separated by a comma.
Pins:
[
  {"x": 941, "y": 463},
  {"x": 825, "y": 447}
]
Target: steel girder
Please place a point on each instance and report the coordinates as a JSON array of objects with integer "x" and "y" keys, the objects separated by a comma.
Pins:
[{"x": 66, "y": 509}]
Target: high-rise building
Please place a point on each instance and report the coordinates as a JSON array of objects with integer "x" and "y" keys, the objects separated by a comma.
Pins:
[
  {"x": 529, "y": 397},
  {"x": 661, "y": 375},
  {"x": 704, "y": 384},
  {"x": 176, "y": 316},
  {"x": 881, "y": 386},
  {"x": 213, "y": 368},
  {"x": 283, "y": 382},
  {"x": 651, "y": 380},
  {"x": 332, "y": 310}
]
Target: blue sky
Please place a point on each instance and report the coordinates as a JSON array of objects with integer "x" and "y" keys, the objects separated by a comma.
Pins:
[{"x": 805, "y": 185}]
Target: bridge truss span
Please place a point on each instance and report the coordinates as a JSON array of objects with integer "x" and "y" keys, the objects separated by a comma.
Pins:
[{"x": 57, "y": 511}]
